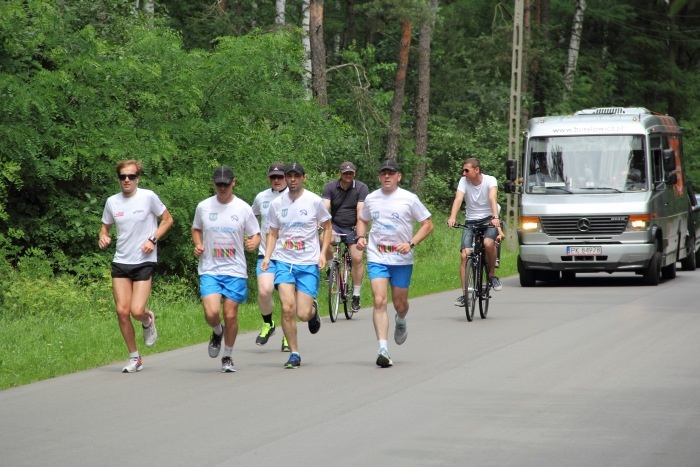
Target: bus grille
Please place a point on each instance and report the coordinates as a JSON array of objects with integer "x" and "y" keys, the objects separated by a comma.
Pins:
[{"x": 584, "y": 225}]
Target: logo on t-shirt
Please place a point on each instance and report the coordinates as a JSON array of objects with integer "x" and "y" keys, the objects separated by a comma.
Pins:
[
  {"x": 119, "y": 214},
  {"x": 213, "y": 216}
]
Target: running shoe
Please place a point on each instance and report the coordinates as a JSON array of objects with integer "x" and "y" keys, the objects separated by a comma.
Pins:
[
  {"x": 134, "y": 365},
  {"x": 355, "y": 303},
  {"x": 150, "y": 335},
  {"x": 315, "y": 322},
  {"x": 383, "y": 359},
  {"x": 460, "y": 301},
  {"x": 265, "y": 333},
  {"x": 294, "y": 361},
  {"x": 227, "y": 365},
  {"x": 285, "y": 345},
  {"x": 400, "y": 331},
  {"x": 495, "y": 283},
  {"x": 215, "y": 343}
]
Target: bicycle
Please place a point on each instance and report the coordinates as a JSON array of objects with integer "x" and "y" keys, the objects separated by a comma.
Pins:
[
  {"x": 476, "y": 274},
  {"x": 340, "y": 283}
]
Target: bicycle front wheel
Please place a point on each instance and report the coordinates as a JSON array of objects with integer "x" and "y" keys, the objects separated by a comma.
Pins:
[
  {"x": 347, "y": 287},
  {"x": 333, "y": 290},
  {"x": 485, "y": 295},
  {"x": 470, "y": 288}
]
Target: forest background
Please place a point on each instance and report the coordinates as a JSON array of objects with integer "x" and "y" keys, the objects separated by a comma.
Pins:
[{"x": 187, "y": 85}]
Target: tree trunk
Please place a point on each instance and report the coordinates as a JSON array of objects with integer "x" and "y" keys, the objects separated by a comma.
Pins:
[
  {"x": 318, "y": 52},
  {"x": 280, "y": 7},
  {"x": 423, "y": 98},
  {"x": 306, "y": 43},
  {"x": 392, "y": 144},
  {"x": 574, "y": 47}
]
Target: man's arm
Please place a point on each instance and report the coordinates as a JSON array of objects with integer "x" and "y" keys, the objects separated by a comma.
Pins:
[
  {"x": 493, "y": 201},
  {"x": 270, "y": 242},
  {"x": 456, "y": 206},
  {"x": 325, "y": 242},
  {"x": 104, "y": 239}
]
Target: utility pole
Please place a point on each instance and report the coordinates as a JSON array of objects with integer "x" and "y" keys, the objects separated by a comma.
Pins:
[{"x": 512, "y": 214}]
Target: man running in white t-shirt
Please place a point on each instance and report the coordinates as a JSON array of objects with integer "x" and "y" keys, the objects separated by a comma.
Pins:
[
  {"x": 223, "y": 227},
  {"x": 392, "y": 211},
  {"x": 293, "y": 245},
  {"x": 266, "y": 279},
  {"x": 135, "y": 211}
]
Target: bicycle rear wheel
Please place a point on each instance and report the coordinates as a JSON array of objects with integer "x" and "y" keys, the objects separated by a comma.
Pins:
[
  {"x": 470, "y": 279},
  {"x": 485, "y": 291},
  {"x": 347, "y": 287},
  {"x": 333, "y": 290}
]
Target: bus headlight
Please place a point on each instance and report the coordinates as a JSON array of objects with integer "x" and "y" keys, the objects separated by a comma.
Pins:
[
  {"x": 530, "y": 224},
  {"x": 639, "y": 222}
]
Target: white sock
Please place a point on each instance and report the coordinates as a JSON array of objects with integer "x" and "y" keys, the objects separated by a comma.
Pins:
[
  {"x": 356, "y": 290},
  {"x": 228, "y": 351},
  {"x": 218, "y": 329},
  {"x": 134, "y": 354},
  {"x": 382, "y": 344}
]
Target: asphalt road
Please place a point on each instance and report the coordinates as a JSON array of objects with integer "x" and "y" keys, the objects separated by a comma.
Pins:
[{"x": 601, "y": 372}]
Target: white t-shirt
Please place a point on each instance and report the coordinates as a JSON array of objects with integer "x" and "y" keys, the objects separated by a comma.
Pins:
[
  {"x": 223, "y": 228},
  {"x": 261, "y": 205},
  {"x": 392, "y": 218},
  {"x": 297, "y": 221},
  {"x": 476, "y": 198},
  {"x": 136, "y": 219}
]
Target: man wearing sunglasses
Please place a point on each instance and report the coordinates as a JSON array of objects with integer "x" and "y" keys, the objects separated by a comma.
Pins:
[
  {"x": 266, "y": 279},
  {"x": 135, "y": 211},
  {"x": 344, "y": 198},
  {"x": 224, "y": 226},
  {"x": 479, "y": 193}
]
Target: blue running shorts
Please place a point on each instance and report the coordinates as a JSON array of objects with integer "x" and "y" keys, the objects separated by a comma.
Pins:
[
  {"x": 233, "y": 288},
  {"x": 305, "y": 277},
  {"x": 399, "y": 276}
]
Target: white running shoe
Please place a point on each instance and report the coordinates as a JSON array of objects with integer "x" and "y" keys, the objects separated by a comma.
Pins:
[
  {"x": 400, "y": 331},
  {"x": 383, "y": 359},
  {"x": 150, "y": 334},
  {"x": 134, "y": 365},
  {"x": 227, "y": 365}
]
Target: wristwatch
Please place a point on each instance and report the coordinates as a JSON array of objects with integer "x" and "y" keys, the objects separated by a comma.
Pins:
[
  {"x": 413, "y": 245},
  {"x": 153, "y": 240}
]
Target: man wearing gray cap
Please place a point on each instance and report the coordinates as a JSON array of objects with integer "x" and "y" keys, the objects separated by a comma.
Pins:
[
  {"x": 223, "y": 227},
  {"x": 266, "y": 279},
  {"x": 344, "y": 199}
]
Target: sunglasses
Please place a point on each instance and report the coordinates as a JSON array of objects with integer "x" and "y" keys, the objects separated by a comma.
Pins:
[
  {"x": 465, "y": 171},
  {"x": 132, "y": 177},
  {"x": 223, "y": 185},
  {"x": 276, "y": 177}
]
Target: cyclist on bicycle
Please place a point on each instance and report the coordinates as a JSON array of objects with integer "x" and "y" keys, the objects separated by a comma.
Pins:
[
  {"x": 344, "y": 199},
  {"x": 481, "y": 192}
]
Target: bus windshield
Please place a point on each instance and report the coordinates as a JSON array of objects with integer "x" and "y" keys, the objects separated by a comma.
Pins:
[{"x": 585, "y": 164}]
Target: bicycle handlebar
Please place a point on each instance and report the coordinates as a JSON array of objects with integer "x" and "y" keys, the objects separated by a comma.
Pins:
[{"x": 485, "y": 225}]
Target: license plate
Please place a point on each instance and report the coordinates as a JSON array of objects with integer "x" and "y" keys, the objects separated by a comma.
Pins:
[{"x": 584, "y": 250}]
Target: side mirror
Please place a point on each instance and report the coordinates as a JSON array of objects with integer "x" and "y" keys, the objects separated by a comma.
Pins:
[
  {"x": 672, "y": 179},
  {"x": 669, "y": 158},
  {"x": 509, "y": 187},
  {"x": 511, "y": 171}
]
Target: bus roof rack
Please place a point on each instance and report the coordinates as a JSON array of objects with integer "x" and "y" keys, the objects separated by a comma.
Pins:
[{"x": 613, "y": 110}]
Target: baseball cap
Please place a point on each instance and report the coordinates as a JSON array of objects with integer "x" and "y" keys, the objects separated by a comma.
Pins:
[
  {"x": 347, "y": 167},
  {"x": 294, "y": 167},
  {"x": 277, "y": 168},
  {"x": 223, "y": 174},
  {"x": 389, "y": 164}
]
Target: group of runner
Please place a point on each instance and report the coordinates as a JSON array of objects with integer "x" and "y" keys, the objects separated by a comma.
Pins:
[{"x": 282, "y": 224}]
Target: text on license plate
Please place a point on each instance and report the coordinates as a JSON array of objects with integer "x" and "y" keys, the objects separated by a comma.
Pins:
[{"x": 584, "y": 250}]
